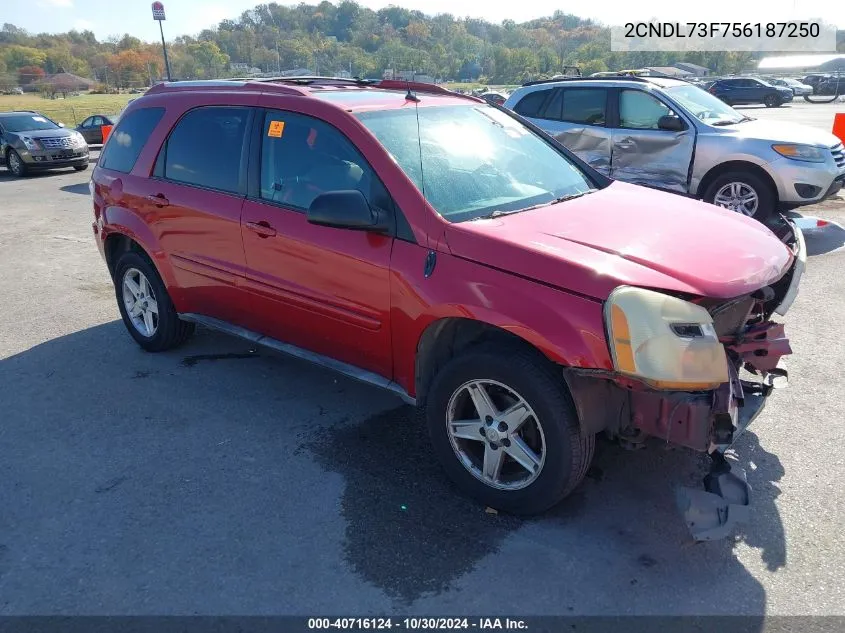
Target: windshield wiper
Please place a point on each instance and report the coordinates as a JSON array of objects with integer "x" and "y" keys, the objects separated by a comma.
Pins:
[{"x": 570, "y": 196}]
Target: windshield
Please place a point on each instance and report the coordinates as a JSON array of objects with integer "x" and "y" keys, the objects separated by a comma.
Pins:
[
  {"x": 704, "y": 106},
  {"x": 474, "y": 161},
  {"x": 26, "y": 123}
]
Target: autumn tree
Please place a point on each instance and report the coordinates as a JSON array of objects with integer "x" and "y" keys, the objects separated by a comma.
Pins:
[{"x": 28, "y": 74}]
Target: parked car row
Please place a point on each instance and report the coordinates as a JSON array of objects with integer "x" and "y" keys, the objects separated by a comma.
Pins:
[
  {"x": 826, "y": 83},
  {"x": 31, "y": 141},
  {"x": 450, "y": 251}
]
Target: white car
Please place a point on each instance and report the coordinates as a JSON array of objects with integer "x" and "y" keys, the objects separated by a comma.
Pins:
[{"x": 798, "y": 89}]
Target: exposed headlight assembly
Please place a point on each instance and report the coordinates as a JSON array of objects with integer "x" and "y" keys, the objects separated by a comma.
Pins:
[
  {"x": 806, "y": 153},
  {"x": 666, "y": 342},
  {"x": 30, "y": 143}
]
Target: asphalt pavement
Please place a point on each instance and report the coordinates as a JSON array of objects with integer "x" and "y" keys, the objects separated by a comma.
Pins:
[{"x": 224, "y": 479}]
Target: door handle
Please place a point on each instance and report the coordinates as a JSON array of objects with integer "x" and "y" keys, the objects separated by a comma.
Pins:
[
  {"x": 626, "y": 144},
  {"x": 263, "y": 228},
  {"x": 158, "y": 200}
]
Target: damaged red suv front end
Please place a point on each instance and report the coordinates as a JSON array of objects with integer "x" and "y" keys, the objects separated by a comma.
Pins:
[{"x": 707, "y": 420}]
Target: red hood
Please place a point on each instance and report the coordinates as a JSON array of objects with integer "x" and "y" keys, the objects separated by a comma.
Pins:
[{"x": 625, "y": 234}]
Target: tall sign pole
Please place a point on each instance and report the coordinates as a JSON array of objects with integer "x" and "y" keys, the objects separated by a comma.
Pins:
[{"x": 158, "y": 16}]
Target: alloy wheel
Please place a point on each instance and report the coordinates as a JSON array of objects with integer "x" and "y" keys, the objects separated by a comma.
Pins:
[
  {"x": 140, "y": 302},
  {"x": 15, "y": 164},
  {"x": 495, "y": 434},
  {"x": 739, "y": 197}
]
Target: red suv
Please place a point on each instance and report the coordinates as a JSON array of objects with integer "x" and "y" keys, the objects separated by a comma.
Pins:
[{"x": 446, "y": 249}]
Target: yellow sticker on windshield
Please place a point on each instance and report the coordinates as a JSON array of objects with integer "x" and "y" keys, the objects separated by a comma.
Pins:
[{"x": 276, "y": 129}]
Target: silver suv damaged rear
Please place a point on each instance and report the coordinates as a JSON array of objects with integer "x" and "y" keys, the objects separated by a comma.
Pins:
[{"x": 672, "y": 135}]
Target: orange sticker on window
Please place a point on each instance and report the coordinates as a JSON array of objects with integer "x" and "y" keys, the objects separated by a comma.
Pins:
[{"x": 276, "y": 129}]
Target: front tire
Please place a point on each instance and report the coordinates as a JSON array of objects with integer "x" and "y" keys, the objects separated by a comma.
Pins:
[
  {"x": 80, "y": 167},
  {"x": 15, "y": 164},
  {"x": 744, "y": 192},
  {"x": 145, "y": 305},
  {"x": 504, "y": 428},
  {"x": 772, "y": 101}
]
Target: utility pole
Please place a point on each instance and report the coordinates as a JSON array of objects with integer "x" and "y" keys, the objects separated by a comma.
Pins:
[{"x": 158, "y": 16}]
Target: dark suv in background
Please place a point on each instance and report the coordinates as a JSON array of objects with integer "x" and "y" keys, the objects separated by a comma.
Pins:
[
  {"x": 29, "y": 141},
  {"x": 743, "y": 90}
]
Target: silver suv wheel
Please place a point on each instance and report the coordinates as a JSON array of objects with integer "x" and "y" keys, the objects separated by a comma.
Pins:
[{"x": 739, "y": 197}]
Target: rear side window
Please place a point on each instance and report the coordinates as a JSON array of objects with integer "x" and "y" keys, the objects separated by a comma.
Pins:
[
  {"x": 128, "y": 139},
  {"x": 531, "y": 103},
  {"x": 207, "y": 148},
  {"x": 585, "y": 105}
]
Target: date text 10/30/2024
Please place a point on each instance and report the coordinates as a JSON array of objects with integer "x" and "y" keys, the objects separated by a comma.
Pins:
[{"x": 357, "y": 624}]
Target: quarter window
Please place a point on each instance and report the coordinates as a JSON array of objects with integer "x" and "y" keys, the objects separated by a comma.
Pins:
[
  {"x": 531, "y": 103},
  {"x": 126, "y": 142},
  {"x": 302, "y": 157},
  {"x": 206, "y": 148},
  {"x": 554, "y": 109}
]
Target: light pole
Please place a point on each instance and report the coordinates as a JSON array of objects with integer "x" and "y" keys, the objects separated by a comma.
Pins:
[{"x": 158, "y": 16}]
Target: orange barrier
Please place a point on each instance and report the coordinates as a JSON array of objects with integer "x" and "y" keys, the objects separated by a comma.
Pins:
[
  {"x": 839, "y": 125},
  {"x": 106, "y": 131}
]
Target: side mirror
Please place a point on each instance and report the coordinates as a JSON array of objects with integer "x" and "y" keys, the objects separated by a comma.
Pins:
[
  {"x": 671, "y": 123},
  {"x": 346, "y": 209}
]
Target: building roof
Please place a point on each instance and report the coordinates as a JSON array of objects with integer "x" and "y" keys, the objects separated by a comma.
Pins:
[
  {"x": 669, "y": 70},
  {"x": 691, "y": 67},
  {"x": 64, "y": 79}
]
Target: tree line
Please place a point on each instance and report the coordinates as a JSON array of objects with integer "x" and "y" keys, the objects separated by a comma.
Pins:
[{"x": 328, "y": 38}]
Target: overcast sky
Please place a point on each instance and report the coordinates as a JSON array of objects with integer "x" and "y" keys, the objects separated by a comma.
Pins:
[{"x": 115, "y": 17}]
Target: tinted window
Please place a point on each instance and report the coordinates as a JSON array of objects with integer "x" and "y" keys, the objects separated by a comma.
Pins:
[
  {"x": 638, "y": 110},
  {"x": 554, "y": 109},
  {"x": 126, "y": 142},
  {"x": 302, "y": 157},
  {"x": 585, "y": 105},
  {"x": 87, "y": 122},
  {"x": 531, "y": 103},
  {"x": 98, "y": 120},
  {"x": 206, "y": 147}
]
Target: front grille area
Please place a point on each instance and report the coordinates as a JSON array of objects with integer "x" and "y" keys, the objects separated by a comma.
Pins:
[
  {"x": 730, "y": 317},
  {"x": 58, "y": 142},
  {"x": 838, "y": 152}
]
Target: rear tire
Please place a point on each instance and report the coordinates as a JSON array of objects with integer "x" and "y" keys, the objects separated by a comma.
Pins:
[
  {"x": 155, "y": 333},
  {"x": 509, "y": 375},
  {"x": 15, "y": 164},
  {"x": 721, "y": 186}
]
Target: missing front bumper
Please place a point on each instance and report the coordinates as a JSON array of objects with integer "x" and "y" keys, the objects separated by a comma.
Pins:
[
  {"x": 715, "y": 512},
  {"x": 724, "y": 504}
]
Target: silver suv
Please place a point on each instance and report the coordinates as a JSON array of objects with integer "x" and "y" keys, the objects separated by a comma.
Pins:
[
  {"x": 672, "y": 135},
  {"x": 29, "y": 141}
]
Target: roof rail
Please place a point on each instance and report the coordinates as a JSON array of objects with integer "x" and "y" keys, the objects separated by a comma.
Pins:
[
  {"x": 419, "y": 86},
  {"x": 186, "y": 86},
  {"x": 312, "y": 80},
  {"x": 615, "y": 77}
]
